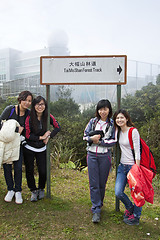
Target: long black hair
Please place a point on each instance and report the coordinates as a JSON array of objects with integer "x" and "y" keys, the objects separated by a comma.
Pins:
[
  {"x": 33, "y": 114},
  {"x": 102, "y": 104}
]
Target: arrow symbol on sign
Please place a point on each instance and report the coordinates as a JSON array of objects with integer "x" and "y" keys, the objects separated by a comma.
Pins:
[{"x": 119, "y": 69}]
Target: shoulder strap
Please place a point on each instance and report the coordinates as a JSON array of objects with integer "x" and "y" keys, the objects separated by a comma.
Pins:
[
  {"x": 18, "y": 112},
  {"x": 12, "y": 110},
  {"x": 130, "y": 137},
  {"x": 131, "y": 141},
  {"x": 108, "y": 126},
  {"x": 95, "y": 120}
]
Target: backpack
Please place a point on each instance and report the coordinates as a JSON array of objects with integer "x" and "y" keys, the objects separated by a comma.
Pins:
[{"x": 147, "y": 159}]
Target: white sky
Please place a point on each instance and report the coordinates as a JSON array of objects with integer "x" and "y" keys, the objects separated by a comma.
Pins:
[{"x": 90, "y": 27}]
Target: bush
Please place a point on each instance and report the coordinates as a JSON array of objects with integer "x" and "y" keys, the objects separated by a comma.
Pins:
[
  {"x": 150, "y": 132},
  {"x": 69, "y": 144}
]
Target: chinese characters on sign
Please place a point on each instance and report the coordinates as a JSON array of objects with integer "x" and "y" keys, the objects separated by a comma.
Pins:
[
  {"x": 83, "y": 64},
  {"x": 84, "y": 67}
]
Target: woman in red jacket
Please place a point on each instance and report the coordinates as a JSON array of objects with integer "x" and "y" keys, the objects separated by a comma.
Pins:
[{"x": 123, "y": 122}]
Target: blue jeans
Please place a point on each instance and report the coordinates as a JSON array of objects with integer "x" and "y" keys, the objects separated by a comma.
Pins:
[
  {"x": 98, "y": 170},
  {"x": 16, "y": 183},
  {"x": 121, "y": 182}
]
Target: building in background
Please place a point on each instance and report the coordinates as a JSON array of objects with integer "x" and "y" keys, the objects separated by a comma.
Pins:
[{"x": 21, "y": 71}]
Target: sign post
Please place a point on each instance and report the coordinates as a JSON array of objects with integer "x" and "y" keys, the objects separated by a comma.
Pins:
[
  {"x": 82, "y": 70},
  {"x": 117, "y": 145},
  {"x": 48, "y": 145}
]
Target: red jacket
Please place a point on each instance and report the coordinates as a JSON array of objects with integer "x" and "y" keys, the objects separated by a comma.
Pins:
[{"x": 140, "y": 183}]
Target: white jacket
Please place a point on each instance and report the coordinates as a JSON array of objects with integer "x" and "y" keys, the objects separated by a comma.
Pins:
[{"x": 9, "y": 142}]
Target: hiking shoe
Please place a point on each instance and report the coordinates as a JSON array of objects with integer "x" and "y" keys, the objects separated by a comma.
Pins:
[
  {"x": 127, "y": 214},
  {"x": 9, "y": 196},
  {"x": 34, "y": 196},
  {"x": 18, "y": 198},
  {"x": 41, "y": 194},
  {"x": 131, "y": 220},
  {"x": 96, "y": 218}
]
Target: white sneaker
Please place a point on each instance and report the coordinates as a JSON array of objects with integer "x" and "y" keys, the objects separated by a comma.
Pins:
[
  {"x": 9, "y": 196},
  {"x": 18, "y": 198}
]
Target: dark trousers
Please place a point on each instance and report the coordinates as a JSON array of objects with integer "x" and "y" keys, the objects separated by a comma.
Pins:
[
  {"x": 98, "y": 170},
  {"x": 14, "y": 183},
  {"x": 29, "y": 157}
]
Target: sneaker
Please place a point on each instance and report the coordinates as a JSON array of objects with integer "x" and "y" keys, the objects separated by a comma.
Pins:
[
  {"x": 34, "y": 196},
  {"x": 9, "y": 196},
  {"x": 96, "y": 218},
  {"x": 131, "y": 220},
  {"x": 127, "y": 214},
  {"x": 18, "y": 198},
  {"x": 41, "y": 194}
]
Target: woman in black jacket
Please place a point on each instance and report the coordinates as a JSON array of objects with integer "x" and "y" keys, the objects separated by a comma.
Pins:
[
  {"x": 19, "y": 113},
  {"x": 37, "y": 137}
]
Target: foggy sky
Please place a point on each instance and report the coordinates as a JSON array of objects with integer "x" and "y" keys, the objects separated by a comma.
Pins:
[{"x": 88, "y": 27}]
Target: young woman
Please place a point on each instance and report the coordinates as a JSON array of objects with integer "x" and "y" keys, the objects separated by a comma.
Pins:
[
  {"x": 36, "y": 140},
  {"x": 100, "y": 135},
  {"x": 19, "y": 113},
  {"x": 123, "y": 123}
]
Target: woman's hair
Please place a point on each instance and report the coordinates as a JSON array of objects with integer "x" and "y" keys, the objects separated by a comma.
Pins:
[
  {"x": 33, "y": 114},
  {"x": 102, "y": 104},
  {"x": 23, "y": 96},
  {"x": 127, "y": 116}
]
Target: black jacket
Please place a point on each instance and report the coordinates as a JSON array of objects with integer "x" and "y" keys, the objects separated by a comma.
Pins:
[{"x": 32, "y": 139}]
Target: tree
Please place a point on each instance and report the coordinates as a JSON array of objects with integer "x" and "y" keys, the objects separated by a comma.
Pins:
[
  {"x": 144, "y": 104},
  {"x": 131, "y": 104},
  {"x": 64, "y": 108},
  {"x": 9, "y": 101},
  {"x": 158, "y": 80},
  {"x": 64, "y": 92},
  {"x": 89, "y": 112}
]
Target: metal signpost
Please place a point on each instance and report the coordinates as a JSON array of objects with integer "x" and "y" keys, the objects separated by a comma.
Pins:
[
  {"x": 117, "y": 145},
  {"x": 82, "y": 70}
]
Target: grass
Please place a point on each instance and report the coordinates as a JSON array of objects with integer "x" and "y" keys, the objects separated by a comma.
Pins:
[{"x": 67, "y": 214}]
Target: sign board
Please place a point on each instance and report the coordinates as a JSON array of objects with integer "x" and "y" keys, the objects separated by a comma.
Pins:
[{"x": 69, "y": 70}]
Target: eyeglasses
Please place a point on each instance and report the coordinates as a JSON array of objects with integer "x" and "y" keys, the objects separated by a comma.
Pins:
[{"x": 40, "y": 104}]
